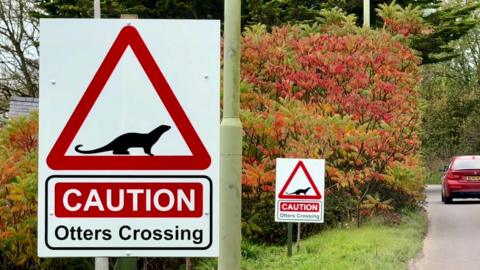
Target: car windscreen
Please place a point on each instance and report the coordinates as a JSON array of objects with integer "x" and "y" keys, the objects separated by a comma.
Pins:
[{"x": 466, "y": 164}]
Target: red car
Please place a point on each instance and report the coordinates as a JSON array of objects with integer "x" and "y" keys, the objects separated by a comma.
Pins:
[{"x": 461, "y": 179}]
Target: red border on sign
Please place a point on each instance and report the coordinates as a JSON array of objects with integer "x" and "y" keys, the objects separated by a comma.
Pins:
[
  {"x": 283, "y": 193},
  {"x": 199, "y": 160}
]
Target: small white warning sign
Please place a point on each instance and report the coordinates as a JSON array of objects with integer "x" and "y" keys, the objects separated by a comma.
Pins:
[{"x": 299, "y": 195}]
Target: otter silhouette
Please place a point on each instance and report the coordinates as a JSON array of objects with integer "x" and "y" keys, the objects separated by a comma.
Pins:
[
  {"x": 122, "y": 143},
  {"x": 300, "y": 191}
]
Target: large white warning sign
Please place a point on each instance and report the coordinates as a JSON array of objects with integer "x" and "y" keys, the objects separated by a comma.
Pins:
[
  {"x": 129, "y": 138},
  {"x": 299, "y": 192}
]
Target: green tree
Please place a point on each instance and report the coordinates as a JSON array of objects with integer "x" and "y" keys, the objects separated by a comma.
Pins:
[
  {"x": 448, "y": 21},
  {"x": 451, "y": 91},
  {"x": 18, "y": 51},
  {"x": 278, "y": 12},
  {"x": 194, "y": 9}
]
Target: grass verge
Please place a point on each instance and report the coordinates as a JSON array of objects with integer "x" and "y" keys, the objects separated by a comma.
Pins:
[{"x": 372, "y": 246}]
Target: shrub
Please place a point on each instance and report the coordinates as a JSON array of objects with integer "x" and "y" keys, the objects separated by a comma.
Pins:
[
  {"x": 18, "y": 199},
  {"x": 18, "y": 192},
  {"x": 348, "y": 96}
]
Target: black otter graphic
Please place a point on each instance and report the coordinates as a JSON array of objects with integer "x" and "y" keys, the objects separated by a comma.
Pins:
[
  {"x": 122, "y": 143},
  {"x": 300, "y": 191}
]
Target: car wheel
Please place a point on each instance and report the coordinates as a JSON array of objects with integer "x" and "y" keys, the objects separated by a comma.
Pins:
[
  {"x": 447, "y": 200},
  {"x": 443, "y": 196}
]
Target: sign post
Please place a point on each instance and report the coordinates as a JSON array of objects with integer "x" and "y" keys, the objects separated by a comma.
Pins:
[
  {"x": 101, "y": 263},
  {"x": 129, "y": 138},
  {"x": 289, "y": 238},
  {"x": 298, "y": 236},
  {"x": 126, "y": 263}
]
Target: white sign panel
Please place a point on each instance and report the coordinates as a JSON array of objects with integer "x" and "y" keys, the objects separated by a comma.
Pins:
[
  {"x": 129, "y": 138},
  {"x": 299, "y": 191}
]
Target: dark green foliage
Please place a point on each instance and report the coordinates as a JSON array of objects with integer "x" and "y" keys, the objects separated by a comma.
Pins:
[
  {"x": 278, "y": 12},
  {"x": 449, "y": 24},
  {"x": 186, "y": 9},
  {"x": 77, "y": 8}
]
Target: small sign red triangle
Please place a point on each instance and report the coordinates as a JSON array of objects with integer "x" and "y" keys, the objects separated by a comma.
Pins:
[
  {"x": 57, "y": 158},
  {"x": 300, "y": 194}
]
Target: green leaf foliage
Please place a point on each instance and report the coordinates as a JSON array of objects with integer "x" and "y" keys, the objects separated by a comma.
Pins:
[
  {"x": 166, "y": 9},
  {"x": 448, "y": 21}
]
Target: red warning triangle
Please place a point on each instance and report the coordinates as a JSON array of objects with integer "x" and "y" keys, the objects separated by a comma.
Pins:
[
  {"x": 300, "y": 194},
  {"x": 199, "y": 160}
]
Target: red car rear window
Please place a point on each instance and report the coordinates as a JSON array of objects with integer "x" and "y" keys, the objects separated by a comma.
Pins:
[{"x": 466, "y": 164}]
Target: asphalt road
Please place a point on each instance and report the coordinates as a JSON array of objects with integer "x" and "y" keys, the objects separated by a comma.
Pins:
[{"x": 453, "y": 238}]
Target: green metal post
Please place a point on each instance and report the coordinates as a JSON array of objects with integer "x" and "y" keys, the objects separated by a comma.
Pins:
[
  {"x": 289, "y": 238},
  {"x": 298, "y": 237},
  {"x": 231, "y": 143}
]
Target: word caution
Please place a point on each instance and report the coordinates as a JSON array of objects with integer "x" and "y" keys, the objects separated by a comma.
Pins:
[{"x": 95, "y": 200}]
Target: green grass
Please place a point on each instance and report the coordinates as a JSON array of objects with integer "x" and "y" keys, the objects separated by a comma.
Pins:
[
  {"x": 373, "y": 246},
  {"x": 433, "y": 178}
]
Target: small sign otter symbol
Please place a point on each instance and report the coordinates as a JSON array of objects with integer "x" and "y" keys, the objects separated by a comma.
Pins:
[{"x": 300, "y": 191}]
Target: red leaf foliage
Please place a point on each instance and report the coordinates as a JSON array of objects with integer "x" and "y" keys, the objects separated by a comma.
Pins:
[{"x": 350, "y": 98}]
